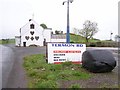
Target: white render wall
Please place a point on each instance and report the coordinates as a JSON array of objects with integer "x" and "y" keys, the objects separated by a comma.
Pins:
[
  {"x": 47, "y": 35},
  {"x": 25, "y": 32},
  {"x": 30, "y": 42}
]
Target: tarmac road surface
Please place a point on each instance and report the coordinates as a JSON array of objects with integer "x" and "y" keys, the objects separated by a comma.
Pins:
[
  {"x": 6, "y": 63},
  {"x": 16, "y": 77}
]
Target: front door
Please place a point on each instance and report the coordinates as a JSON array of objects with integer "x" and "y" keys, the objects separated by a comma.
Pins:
[{"x": 24, "y": 44}]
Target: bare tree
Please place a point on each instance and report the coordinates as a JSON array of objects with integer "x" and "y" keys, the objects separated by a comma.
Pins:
[
  {"x": 89, "y": 30},
  {"x": 76, "y": 31}
]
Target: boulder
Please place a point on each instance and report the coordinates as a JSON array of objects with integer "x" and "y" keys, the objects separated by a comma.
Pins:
[{"x": 98, "y": 61}]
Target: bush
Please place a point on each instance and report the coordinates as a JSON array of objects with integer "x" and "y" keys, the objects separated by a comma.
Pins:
[
  {"x": 72, "y": 42},
  {"x": 92, "y": 45}
]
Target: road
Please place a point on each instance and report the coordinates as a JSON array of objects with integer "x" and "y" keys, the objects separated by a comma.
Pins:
[
  {"x": 16, "y": 78},
  {"x": 14, "y": 75},
  {"x": 6, "y": 63}
]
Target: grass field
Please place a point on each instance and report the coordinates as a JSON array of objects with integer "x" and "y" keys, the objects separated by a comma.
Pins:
[
  {"x": 7, "y": 41},
  {"x": 43, "y": 75}
]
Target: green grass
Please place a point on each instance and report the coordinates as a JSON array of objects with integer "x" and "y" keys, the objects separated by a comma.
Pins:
[
  {"x": 77, "y": 38},
  {"x": 43, "y": 75},
  {"x": 92, "y": 42},
  {"x": 80, "y": 39},
  {"x": 7, "y": 41}
]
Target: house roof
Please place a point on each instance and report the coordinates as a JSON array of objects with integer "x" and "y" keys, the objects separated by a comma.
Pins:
[{"x": 58, "y": 36}]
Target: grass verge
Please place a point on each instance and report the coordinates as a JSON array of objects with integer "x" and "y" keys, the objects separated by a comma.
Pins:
[{"x": 43, "y": 75}]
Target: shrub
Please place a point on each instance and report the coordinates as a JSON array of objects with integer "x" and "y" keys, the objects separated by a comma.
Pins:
[{"x": 92, "y": 45}]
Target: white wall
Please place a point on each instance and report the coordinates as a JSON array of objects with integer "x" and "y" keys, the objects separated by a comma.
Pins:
[
  {"x": 25, "y": 31},
  {"x": 29, "y": 41},
  {"x": 47, "y": 35}
]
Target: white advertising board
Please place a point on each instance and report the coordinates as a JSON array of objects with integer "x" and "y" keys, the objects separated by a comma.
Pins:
[{"x": 61, "y": 52}]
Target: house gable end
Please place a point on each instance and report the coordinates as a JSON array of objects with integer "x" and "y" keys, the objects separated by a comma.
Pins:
[{"x": 30, "y": 26}]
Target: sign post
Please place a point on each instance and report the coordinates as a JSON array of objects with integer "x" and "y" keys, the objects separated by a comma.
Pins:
[{"x": 62, "y": 52}]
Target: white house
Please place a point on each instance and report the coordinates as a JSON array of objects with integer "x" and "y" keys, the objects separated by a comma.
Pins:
[{"x": 33, "y": 34}]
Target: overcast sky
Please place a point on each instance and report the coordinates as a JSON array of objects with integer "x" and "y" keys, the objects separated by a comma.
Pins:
[{"x": 15, "y": 13}]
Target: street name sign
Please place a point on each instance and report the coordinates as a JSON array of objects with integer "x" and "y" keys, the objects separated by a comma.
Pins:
[{"x": 62, "y": 52}]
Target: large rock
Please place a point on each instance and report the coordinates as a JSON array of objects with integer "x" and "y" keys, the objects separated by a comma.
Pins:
[{"x": 98, "y": 61}]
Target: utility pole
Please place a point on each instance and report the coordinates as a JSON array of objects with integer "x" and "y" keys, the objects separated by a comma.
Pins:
[{"x": 68, "y": 27}]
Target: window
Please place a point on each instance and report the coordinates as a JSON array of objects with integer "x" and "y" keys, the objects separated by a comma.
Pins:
[{"x": 32, "y": 26}]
